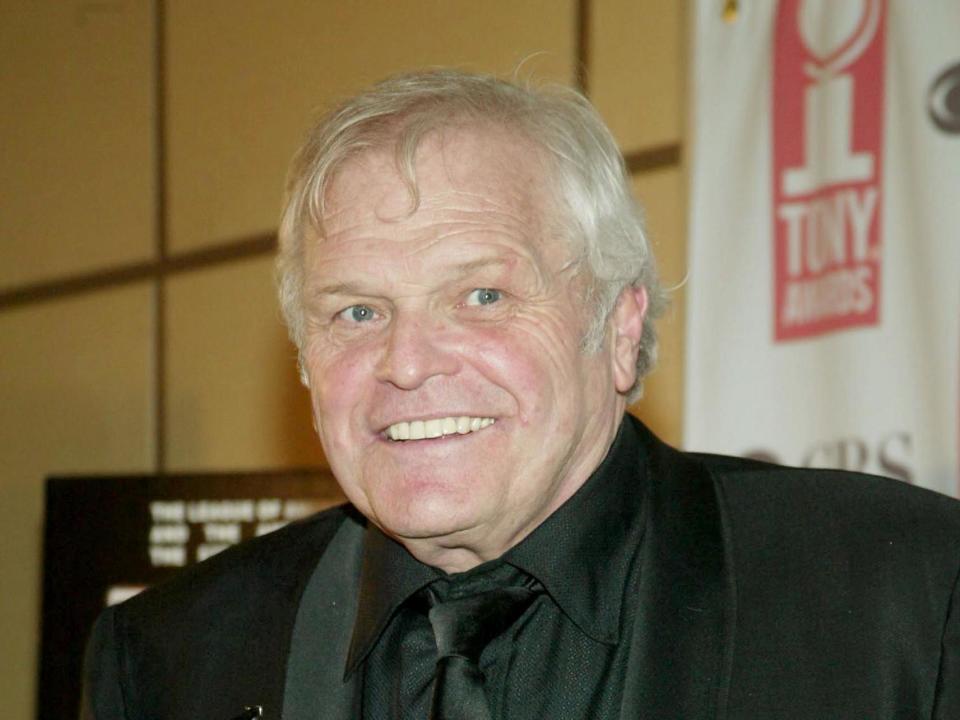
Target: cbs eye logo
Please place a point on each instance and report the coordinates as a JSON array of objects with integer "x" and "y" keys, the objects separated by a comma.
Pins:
[{"x": 943, "y": 100}]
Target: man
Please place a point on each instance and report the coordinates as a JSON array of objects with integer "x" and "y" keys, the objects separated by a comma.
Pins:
[{"x": 467, "y": 280}]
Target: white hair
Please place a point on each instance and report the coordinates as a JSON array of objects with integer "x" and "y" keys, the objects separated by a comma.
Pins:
[{"x": 597, "y": 213}]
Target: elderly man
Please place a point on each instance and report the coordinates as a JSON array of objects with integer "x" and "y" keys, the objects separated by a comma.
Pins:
[{"x": 467, "y": 280}]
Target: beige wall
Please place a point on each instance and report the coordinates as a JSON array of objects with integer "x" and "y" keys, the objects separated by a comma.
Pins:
[{"x": 79, "y": 195}]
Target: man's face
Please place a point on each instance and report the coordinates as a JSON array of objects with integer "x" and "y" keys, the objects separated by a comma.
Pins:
[{"x": 464, "y": 318}]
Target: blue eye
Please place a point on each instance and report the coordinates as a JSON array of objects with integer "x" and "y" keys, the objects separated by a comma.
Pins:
[
  {"x": 357, "y": 313},
  {"x": 483, "y": 296}
]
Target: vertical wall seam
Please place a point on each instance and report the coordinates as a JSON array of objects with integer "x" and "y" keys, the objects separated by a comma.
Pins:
[
  {"x": 583, "y": 46},
  {"x": 159, "y": 305}
]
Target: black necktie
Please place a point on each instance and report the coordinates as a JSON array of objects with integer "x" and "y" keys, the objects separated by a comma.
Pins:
[{"x": 463, "y": 626}]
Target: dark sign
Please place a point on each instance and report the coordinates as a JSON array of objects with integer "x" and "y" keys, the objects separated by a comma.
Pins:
[{"x": 107, "y": 538}]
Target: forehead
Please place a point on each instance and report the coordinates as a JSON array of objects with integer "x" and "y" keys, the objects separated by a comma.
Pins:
[
  {"x": 467, "y": 157},
  {"x": 471, "y": 175}
]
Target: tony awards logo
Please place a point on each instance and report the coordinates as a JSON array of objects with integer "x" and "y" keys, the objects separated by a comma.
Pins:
[{"x": 827, "y": 151}]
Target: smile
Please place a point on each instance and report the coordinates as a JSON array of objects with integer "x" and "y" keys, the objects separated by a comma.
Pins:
[{"x": 436, "y": 427}]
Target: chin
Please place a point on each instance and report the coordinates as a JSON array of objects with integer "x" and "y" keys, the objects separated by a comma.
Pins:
[{"x": 426, "y": 518}]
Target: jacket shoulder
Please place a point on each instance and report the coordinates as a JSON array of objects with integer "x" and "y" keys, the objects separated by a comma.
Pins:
[
  {"x": 842, "y": 581},
  {"x": 835, "y": 512},
  {"x": 214, "y": 638},
  {"x": 757, "y": 483}
]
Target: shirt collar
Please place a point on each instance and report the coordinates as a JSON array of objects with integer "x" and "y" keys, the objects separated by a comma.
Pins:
[
  {"x": 389, "y": 575},
  {"x": 581, "y": 554}
]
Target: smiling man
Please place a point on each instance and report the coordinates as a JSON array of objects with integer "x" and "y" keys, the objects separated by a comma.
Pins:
[
  {"x": 466, "y": 277},
  {"x": 443, "y": 346}
]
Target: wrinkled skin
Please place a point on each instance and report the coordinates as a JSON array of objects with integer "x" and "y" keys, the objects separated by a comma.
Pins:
[{"x": 397, "y": 330}]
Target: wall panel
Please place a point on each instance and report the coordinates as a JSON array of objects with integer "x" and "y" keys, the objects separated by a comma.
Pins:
[
  {"x": 75, "y": 398},
  {"x": 663, "y": 194},
  {"x": 636, "y": 69},
  {"x": 234, "y": 398},
  {"x": 77, "y": 133}
]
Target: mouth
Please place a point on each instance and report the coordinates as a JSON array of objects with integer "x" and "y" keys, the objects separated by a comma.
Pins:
[{"x": 436, "y": 428}]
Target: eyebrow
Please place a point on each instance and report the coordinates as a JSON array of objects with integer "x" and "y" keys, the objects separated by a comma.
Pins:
[
  {"x": 338, "y": 289},
  {"x": 461, "y": 270},
  {"x": 467, "y": 268}
]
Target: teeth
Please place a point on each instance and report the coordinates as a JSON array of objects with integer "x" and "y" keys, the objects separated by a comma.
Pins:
[
  {"x": 416, "y": 430},
  {"x": 437, "y": 427},
  {"x": 433, "y": 428}
]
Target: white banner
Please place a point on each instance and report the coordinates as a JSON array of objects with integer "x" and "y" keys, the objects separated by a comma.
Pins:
[{"x": 823, "y": 322}]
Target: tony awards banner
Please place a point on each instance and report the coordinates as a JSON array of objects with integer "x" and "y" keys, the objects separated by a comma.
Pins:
[{"x": 824, "y": 251}]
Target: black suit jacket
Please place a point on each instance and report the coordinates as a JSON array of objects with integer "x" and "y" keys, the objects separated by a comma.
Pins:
[{"x": 766, "y": 592}]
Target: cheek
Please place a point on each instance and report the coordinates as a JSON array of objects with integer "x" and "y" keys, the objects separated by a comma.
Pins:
[
  {"x": 536, "y": 362},
  {"x": 336, "y": 384}
]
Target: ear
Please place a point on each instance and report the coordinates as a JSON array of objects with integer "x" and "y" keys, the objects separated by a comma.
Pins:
[{"x": 627, "y": 327}]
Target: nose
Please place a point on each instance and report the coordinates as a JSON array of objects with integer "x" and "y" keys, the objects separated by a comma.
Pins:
[{"x": 415, "y": 350}]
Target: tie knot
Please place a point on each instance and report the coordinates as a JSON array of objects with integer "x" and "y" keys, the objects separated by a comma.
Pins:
[
  {"x": 464, "y": 626},
  {"x": 467, "y": 612}
]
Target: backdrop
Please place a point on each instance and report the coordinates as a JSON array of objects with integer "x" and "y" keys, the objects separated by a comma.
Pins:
[{"x": 824, "y": 289}]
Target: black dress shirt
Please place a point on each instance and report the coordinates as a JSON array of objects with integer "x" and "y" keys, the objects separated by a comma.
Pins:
[{"x": 566, "y": 655}]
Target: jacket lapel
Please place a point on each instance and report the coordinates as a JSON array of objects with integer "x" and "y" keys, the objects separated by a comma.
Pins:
[
  {"x": 315, "y": 686},
  {"x": 682, "y": 644}
]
